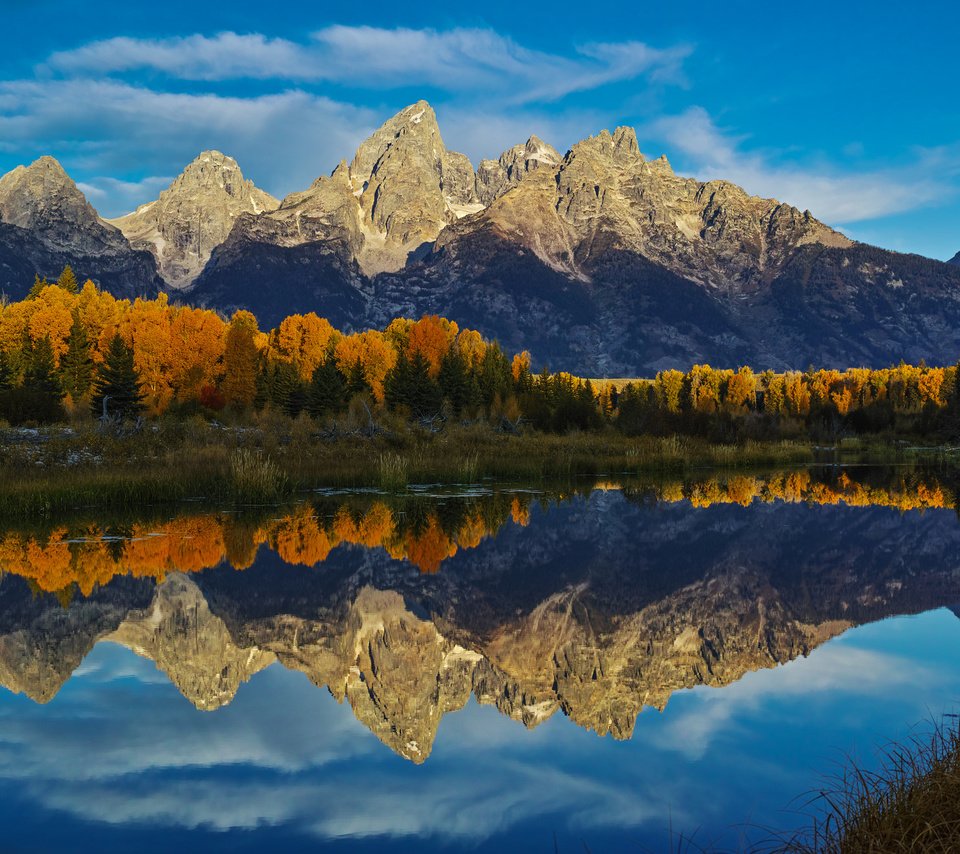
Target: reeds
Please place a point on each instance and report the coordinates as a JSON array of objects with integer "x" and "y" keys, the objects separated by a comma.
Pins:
[
  {"x": 393, "y": 470},
  {"x": 255, "y": 478},
  {"x": 912, "y": 804}
]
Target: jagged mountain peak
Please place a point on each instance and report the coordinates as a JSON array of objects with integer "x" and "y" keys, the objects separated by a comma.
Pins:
[
  {"x": 397, "y": 194},
  {"x": 955, "y": 260},
  {"x": 620, "y": 147},
  {"x": 31, "y": 195},
  {"x": 418, "y": 121},
  {"x": 194, "y": 215},
  {"x": 495, "y": 177}
]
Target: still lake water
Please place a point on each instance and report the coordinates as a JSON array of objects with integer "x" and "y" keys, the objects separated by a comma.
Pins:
[{"x": 494, "y": 669}]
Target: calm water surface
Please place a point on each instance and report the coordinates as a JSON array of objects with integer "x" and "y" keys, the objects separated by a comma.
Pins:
[{"x": 494, "y": 669}]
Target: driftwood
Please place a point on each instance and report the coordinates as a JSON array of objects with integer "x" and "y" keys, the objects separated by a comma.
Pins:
[
  {"x": 432, "y": 423},
  {"x": 117, "y": 424},
  {"x": 508, "y": 426}
]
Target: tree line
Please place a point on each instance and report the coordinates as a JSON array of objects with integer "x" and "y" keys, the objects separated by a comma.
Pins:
[{"x": 68, "y": 349}]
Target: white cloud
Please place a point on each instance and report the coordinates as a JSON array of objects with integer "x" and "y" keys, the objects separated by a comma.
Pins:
[
  {"x": 128, "y": 194},
  {"x": 452, "y": 60},
  {"x": 282, "y": 141},
  {"x": 830, "y": 670},
  {"x": 830, "y": 195}
]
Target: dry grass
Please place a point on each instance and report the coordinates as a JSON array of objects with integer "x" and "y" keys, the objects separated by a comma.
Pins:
[
  {"x": 255, "y": 478},
  {"x": 912, "y": 804},
  {"x": 393, "y": 470}
]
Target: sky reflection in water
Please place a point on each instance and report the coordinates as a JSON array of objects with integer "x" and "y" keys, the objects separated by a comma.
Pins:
[{"x": 119, "y": 758}]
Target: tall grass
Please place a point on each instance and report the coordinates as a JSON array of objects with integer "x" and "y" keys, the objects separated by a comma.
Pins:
[
  {"x": 254, "y": 477},
  {"x": 912, "y": 804},
  {"x": 394, "y": 472}
]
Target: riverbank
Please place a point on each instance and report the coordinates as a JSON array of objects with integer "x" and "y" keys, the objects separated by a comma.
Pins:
[{"x": 50, "y": 470}]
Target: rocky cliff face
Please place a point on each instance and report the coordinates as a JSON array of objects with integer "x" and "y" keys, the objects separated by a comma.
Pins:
[
  {"x": 47, "y": 223},
  {"x": 495, "y": 177},
  {"x": 612, "y": 264},
  {"x": 955, "y": 260},
  {"x": 193, "y": 216}
]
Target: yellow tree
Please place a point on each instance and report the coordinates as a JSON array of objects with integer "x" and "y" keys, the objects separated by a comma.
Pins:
[
  {"x": 797, "y": 394},
  {"x": 304, "y": 340},
  {"x": 374, "y": 354},
  {"x": 146, "y": 327},
  {"x": 667, "y": 386},
  {"x": 196, "y": 351},
  {"x": 51, "y": 316},
  {"x": 431, "y": 337},
  {"x": 741, "y": 391}
]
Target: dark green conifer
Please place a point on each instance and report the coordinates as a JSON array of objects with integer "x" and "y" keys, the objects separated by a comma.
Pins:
[
  {"x": 40, "y": 398},
  {"x": 454, "y": 380},
  {"x": 38, "y": 285},
  {"x": 424, "y": 396},
  {"x": 286, "y": 389},
  {"x": 328, "y": 390},
  {"x": 357, "y": 381},
  {"x": 6, "y": 372},
  {"x": 396, "y": 384},
  {"x": 41, "y": 372},
  {"x": 116, "y": 389},
  {"x": 76, "y": 365}
]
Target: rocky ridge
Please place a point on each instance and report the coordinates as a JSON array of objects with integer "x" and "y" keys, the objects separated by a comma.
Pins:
[{"x": 193, "y": 216}]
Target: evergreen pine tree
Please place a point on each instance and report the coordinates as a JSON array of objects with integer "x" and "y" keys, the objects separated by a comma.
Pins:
[
  {"x": 118, "y": 383},
  {"x": 396, "y": 384},
  {"x": 424, "y": 396},
  {"x": 357, "y": 381},
  {"x": 454, "y": 380},
  {"x": 6, "y": 372},
  {"x": 328, "y": 390},
  {"x": 41, "y": 373},
  {"x": 953, "y": 411},
  {"x": 496, "y": 375},
  {"x": 264, "y": 385},
  {"x": 68, "y": 281},
  {"x": 287, "y": 393},
  {"x": 76, "y": 365},
  {"x": 41, "y": 397}
]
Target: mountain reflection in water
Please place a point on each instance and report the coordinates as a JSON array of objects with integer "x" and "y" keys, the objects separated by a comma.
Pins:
[{"x": 596, "y": 603}]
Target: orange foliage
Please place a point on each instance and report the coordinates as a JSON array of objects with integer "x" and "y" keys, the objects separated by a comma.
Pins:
[{"x": 432, "y": 338}]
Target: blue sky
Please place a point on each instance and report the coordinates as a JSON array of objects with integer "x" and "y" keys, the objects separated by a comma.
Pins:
[{"x": 848, "y": 109}]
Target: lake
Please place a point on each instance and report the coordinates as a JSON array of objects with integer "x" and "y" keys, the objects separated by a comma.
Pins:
[{"x": 609, "y": 666}]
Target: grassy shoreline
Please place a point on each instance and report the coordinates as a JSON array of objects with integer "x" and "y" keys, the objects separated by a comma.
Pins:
[
  {"x": 45, "y": 472},
  {"x": 911, "y": 803}
]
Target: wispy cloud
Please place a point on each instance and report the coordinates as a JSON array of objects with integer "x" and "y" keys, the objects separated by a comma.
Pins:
[
  {"x": 834, "y": 196},
  {"x": 112, "y": 127},
  {"x": 832, "y": 669},
  {"x": 452, "y": 60}
]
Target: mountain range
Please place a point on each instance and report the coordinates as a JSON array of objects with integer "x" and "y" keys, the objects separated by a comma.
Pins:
[{"x": 599, "y": 261}]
